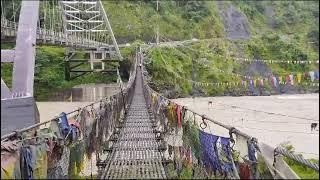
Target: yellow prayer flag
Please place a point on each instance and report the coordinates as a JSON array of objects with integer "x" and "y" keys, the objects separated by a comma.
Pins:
[
  {"x": 299, "y": 77},
  {"x": 280, "y": 79}
]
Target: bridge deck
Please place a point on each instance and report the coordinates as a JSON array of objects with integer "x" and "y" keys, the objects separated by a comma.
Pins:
[{"x": 136, "y": 155}]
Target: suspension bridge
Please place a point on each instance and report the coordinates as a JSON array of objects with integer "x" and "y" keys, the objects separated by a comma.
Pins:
[{"x": 136, "y": 133}]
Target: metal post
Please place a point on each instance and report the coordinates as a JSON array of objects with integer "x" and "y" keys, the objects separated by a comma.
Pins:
[
  {"x": 103, "y": 56},
  {"x": 193, "y": 78},
  {"x": 67, "y": 69},
  {"x": 157, "y": 36},
  {"x": 23, "y": 67},
  {"x": 91, "y": 59}
]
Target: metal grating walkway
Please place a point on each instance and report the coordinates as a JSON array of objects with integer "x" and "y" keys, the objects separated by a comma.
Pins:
[{"x": 136, "y": 153}]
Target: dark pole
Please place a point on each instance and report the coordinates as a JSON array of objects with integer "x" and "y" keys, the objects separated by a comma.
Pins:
[
  {"x": 67, "y": 70},
  {"x": 193, "y": 78}
]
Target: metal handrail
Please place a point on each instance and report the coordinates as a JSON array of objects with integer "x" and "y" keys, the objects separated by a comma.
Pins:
[
  {"x": 237, "y": 131},
  {"x": 125, "y": 90},
  {"x": 234, "y": 130},
  {"x": 297, "y": 158}
]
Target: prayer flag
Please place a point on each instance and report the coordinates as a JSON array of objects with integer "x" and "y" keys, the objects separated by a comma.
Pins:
[
  {"x": 311, "y": 73},
  {"x": 274, "y": 81},
  {"x": 261, "y": 82},
  {"x": 291, "y": 78},
  {"x": 280, "y": 79},
  {"x": 316, "y": 74},
  {"x": 287, "y": 79},
  {"x": 299, "y": 77}
]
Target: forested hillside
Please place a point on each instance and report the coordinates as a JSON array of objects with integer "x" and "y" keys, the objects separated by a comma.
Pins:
[{"x": 271, "y": 30}]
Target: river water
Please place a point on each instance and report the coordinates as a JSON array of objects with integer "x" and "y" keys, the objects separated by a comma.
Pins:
[
  {"x": 74, "y": 98},
  {"x": 86, "y": 93},
  {"x": 272, "y": 119}
]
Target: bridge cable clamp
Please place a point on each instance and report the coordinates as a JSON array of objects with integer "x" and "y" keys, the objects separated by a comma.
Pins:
[
  {"x": 18, "y": 134},
  {"x": 100, "y": 106},
  {"x": 232, "y": 130},
  {"x": 203, "y": 125}
]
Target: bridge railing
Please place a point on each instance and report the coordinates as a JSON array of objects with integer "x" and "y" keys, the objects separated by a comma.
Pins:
[
  {"x": 9, "y": 28},
  {"x": 125, "y": 93},
  {"x": 181, "y": 132},
  {"x": 85, "y": 129},
  {"x": 242, "y": 147}
]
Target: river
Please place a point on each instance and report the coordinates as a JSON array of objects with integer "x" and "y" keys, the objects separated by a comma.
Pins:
[
  {"x": 71, "y": 99},
  {"x": 272, "y": 119},
  {"x": 86, "y": 93}
]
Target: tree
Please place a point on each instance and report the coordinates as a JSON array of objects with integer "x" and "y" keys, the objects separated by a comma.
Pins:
[{"x": 196, "y": 10}]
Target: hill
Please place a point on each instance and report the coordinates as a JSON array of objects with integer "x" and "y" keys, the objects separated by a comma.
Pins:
[{"x": 272, "y": 30}]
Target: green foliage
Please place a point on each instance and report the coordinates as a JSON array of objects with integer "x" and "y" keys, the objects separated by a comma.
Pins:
[
  {"x": 49, "y": 72},
  {"x": 85, "y": 177},
  {"x": 192, "y": 137},
  {"x": 171, "y": 69},
  {"x": 7, "y": 45},
  {"x": 9, "y": 7},
  {"x": 176, "y": 64},
  {"x": 196, "y": 10},
  {"x": 302, "y": 170},
  {"x": 6, "y": 73},
  {"x": 263, "y": 168},
  {"x": 266, "y": 43},
  {"x": 186, "y": 174},
  {"x": 76, "y": 162},
  {"x": 177, "y": 20}
]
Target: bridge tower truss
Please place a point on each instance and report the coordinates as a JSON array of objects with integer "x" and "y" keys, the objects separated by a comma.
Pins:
[{"x": 88, "y": 19}]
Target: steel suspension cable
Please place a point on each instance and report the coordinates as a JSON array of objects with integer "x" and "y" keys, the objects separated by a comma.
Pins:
[
  {"x": 279, "y": 122},
  {"x": 39, "y": 23},
  {"x": 273, "y": 130},
  {"x": 50, "y": 20},
  {"x": 2, "y": 10},
  {"x": 271, "y": 113},
  {"x": 297, "y": 158},
  {"x": 14, "y": 14},
  {"x": 45, "y": 15}
]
